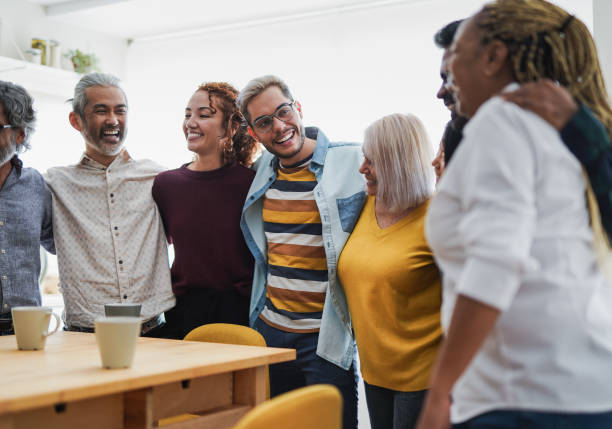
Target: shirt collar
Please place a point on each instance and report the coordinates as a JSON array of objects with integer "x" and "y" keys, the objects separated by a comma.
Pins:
[
  {"x": 123, "y": 158},
  {"x": 512, "y": 86}
]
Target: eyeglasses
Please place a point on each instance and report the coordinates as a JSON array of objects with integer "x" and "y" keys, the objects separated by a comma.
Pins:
[
  {"x": 284, "y": 113},
  {"x": 5, "y": 126}
]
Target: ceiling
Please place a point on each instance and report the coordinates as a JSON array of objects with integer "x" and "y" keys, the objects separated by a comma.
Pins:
[{"x": 143, "y": 20}]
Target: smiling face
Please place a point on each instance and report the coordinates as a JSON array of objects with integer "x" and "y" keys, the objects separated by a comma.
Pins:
[
  {"x": 285, "y": 139},
  {"x": 478, "y": 71},
  {"x": 203, "y": 126},
  {"x": 104, "y": 125},
  {"x": 444, "y": 93},
  {"x": 369, "y": 172}
]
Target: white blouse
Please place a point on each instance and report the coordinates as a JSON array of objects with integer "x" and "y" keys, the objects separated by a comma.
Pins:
[{"x": 509, "y": 227}]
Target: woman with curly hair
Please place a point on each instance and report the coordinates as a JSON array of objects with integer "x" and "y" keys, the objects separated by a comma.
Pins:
[{"x": 200, "y": 204}]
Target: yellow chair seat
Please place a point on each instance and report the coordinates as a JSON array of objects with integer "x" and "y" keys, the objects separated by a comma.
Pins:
[{"x": 313, "y": 407}]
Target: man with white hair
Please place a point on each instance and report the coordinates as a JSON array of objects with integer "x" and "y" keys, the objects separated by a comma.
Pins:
[
  {"x": 25, "y": 207},
  {"x": 111, "y": 245}
]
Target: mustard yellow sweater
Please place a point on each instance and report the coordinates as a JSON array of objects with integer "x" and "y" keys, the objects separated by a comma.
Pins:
[{"x": 392, "y": 285}]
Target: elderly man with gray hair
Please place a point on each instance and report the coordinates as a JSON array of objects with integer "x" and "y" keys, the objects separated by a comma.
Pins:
[
  {"x": 25, "y": 207},
  {"x": 110, "y": 240}
]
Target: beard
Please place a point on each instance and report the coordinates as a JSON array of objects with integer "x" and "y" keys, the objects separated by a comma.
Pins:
[
  {"x": 95, "y": 139},
  {"x": 297, "y": 150},
  {"x": 7, "y": 152}
]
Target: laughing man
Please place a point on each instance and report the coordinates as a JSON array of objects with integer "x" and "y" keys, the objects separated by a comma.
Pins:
[
  {"x": 110, "y": 241},
  {"x": 301, "y": 207}
]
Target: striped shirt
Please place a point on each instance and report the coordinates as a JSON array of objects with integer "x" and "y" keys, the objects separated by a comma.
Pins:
[{"x": 297, "y": 277}]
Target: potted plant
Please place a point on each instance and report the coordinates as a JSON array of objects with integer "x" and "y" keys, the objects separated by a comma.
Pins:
[{"x": 82, "y": 62}]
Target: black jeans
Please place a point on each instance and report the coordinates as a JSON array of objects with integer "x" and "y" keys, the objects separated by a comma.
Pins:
[
  {"x": 516, "y": 419},
  {"x": 391, "y": 409},
  {"x": 308, "y": 369},
  {"x": 6, "y": 324},
  {"x": 202, "y": 306}
]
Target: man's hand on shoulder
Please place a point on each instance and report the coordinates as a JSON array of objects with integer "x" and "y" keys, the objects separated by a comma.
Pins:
[{"x": 551, "y": 102}]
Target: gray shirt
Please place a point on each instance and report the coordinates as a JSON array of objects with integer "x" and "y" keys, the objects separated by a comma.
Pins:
[{"x": 25, "y": 224}]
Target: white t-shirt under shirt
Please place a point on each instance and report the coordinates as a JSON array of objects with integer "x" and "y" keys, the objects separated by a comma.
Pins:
[{"x": 509, "y": 227}]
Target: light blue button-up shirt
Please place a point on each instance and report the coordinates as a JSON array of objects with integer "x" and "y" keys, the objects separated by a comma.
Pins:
[
  {"x": 340, "y": 195},
  {"x": 25, "y": 224}
]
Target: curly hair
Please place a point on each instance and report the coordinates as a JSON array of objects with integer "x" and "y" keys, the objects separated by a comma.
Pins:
[
  {"x": 243, "y": 147},
  {"x": 544, "y": 41},
  {"x": 19, "y": 110}
]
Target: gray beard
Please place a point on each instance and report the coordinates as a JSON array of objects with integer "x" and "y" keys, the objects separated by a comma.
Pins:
[{"x": 7, "y": 152}]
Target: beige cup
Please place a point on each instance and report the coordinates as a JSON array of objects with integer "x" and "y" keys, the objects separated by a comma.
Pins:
[
  {"x": 122, "y": 309},
  {"x": 32, "y": 326},
  {"x": 116, "y": 338}
]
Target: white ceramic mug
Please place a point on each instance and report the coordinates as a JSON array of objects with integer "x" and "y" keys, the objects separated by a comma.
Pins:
[
  {"x": 122, "y": 309},
  {"x": 32, "y": 326},
  {"x": 116, "y": 337}
]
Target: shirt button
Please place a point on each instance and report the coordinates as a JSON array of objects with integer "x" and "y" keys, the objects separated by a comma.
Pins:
[
  {"x": 3, "y": 251},
  {"x": 1, "y": 223},
  {"x": 116, "y": 228},
  {"x": 5, "y": 305},
  {"x": 124, "y": 296},
  {"x": 121, "y": 261},
  {"x": 112, "y": 201},
  {"x": 112, "y": 195},
  {"x": 4, "y": 277}
]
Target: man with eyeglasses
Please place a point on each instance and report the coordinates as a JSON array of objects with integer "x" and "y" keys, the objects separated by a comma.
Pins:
[
  {"x": 25, "y": 207},
  {"x": 302, "y": 205}
]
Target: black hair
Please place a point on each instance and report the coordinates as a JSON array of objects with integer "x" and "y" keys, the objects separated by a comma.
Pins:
[{"x": 444, "y": 37}]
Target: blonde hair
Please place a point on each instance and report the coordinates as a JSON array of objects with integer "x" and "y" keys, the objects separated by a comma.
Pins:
[
  {"x": 544, "y": 41},
  {"x": 398, "y": 147}
]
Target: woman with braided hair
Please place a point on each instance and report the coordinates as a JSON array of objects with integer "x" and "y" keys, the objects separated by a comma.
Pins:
[
  {"x": 526, "y": 308},
  {"x": 200, "y": 204}
]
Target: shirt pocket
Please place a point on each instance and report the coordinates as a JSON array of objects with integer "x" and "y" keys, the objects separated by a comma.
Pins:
[{"x": 349, "y": 209}]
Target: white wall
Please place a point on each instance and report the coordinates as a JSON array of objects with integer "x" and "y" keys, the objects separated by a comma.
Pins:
[
  {"x": 602, "y": 31},
  {"x": 20, "y": 21},
  {"x": 54, "y": 142},
  {"x": 347, "y": 71}
]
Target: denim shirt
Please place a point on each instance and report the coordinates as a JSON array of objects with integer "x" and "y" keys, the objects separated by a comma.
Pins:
[
  {"x": 340, "y": 195},
  {"x": 25, "y": 224}
]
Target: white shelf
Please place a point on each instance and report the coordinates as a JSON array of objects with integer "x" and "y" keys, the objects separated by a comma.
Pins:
[{"x": 39, "y": 79}]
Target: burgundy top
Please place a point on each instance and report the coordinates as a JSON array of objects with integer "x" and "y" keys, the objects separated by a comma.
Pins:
[{"x": 201, "y": 214}]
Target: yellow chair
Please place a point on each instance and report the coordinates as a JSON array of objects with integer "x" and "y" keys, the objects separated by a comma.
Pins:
[
  {"x": 225, "y": 333},
  {"x": 313, "y": 407}
]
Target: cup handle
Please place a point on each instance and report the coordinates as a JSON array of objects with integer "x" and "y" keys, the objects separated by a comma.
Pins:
[{"x": 57, "y": 324}]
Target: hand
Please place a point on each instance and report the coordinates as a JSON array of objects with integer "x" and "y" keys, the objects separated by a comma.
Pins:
[
  {"x": 436, "y": 412},
  {"x": 551, "y": 102}
]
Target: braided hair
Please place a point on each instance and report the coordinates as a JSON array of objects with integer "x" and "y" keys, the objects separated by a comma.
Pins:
[
  {"x": 544, "y": 41},
  {"x": 241, "y": 147}
]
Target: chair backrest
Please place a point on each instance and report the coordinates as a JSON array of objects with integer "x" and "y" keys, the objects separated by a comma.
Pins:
[
  {"x": 318, "y": 406},
  {"x": 226, "y": 333},
  {"x": 229, "y": 334}
]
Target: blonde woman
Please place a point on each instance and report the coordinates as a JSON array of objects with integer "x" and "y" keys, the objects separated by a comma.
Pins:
[{"x": 388, "y": 272}]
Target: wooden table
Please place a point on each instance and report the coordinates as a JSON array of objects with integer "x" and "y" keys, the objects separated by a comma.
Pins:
[{"x": 65, "y": 386}]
